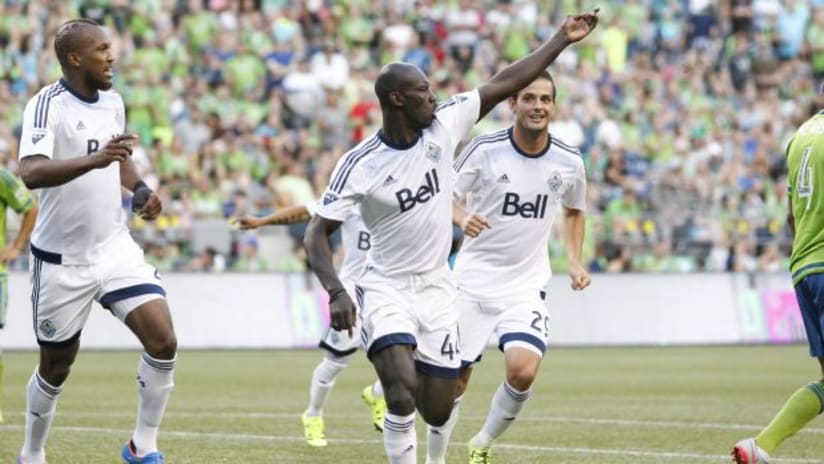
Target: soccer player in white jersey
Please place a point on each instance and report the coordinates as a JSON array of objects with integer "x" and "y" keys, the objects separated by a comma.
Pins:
[
  {"x": 72, "y": 150},
  {"x": 513, "y": 182},
  {"x": 401, "y": 179},
  {"x": 339, "y": 344}
]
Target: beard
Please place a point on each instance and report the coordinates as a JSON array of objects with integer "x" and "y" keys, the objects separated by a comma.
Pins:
[{"x": 96, "y": 83}]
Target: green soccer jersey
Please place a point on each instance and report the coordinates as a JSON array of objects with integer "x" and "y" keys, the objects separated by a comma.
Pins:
[
  {"x": 805, "y": 164},
  {"x": 15, "y": 196}
]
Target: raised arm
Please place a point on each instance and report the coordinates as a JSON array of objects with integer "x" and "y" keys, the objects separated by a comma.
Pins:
[
  {"x": 319, "y": 254},
  {"x": 291, "y": 215},
  {"x": 520, "y": 73}
]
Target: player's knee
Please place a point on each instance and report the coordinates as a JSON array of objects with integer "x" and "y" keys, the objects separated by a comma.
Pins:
[
  {"x": 522, "y": 376},
  {"x": 163, "y": 346},
  {"x": 437, "y": 417},
  {"x": 55, "y": 374},
  {"x": 400, "y": 398}
]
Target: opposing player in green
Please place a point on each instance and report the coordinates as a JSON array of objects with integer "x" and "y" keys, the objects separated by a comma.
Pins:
[
  {"x": 805, "y": 162},
  {"x": 14, "y": 195}
]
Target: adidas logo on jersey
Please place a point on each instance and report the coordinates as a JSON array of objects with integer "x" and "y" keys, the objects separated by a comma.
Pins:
[
  {"x": 37, "y": 137},
  {"x": 504, "y": 179},
  {"x": 389, "y": 180},
  {"x": 81, "y": 126}
]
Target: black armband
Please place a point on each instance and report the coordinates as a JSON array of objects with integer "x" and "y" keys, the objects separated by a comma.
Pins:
[
  {"x": 336, "y": 293},
  {"x": 142, "y": 192}
]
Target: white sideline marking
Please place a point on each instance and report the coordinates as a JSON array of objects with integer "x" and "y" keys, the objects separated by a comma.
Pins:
[
  {"x": 578, "y": 420},
  {"x": 355, "y": 441}
]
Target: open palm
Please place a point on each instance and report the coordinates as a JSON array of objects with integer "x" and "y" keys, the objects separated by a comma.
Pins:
[{"x": 577, "y": 27}]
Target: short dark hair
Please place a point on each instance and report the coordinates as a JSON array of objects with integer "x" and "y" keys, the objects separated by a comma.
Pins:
[
  {"x": 67, "y": 37},
  {"x": 544, "y": 75}
]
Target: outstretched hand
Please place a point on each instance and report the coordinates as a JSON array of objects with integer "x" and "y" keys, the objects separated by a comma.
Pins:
[
  {"x": 246, "y": 222},
  {"x": 577, "y": 27}
]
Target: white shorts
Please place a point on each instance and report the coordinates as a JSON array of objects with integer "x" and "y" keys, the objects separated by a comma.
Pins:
[
  {"x": 522, "y": 323},
  {"x": 417, "y": 310},
  {"x": 62, "y": 294},
  {"x": 338, "y": 342}
]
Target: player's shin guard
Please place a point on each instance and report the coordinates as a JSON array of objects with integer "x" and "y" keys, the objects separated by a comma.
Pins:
[
  {"x": 437, "y": 438},
  {"x": 323, "y": 380},
  {"x": 155, "y": 381},
  {"x": 400, "y": 439},
  {"x": 506, "y": 404},
  {"x": 41, "y": 403}
]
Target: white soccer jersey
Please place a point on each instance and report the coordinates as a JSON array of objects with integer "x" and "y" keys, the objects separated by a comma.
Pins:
[
  {"x": 78, "y": 218},
  {"x": 520, "y": 196},
  {"x": 404, "y": 191},
  {"x": 356, "y": 240}
]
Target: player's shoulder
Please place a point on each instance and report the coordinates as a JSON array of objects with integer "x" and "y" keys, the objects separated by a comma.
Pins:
[
  {"x": 456, "y": 99},
  {"x": 368, "y": 146},
  {"x": 483, "y": 145},
  {"x": 486, "y": 142},
  {"x": 565, "y": 152},
  {"x": 47, "y": 93}
]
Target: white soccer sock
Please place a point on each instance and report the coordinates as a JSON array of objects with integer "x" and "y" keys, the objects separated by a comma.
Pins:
[
  {"x": 41, "y": 403},
  {"x": 505, "y": 406},
  {"x": 155, "y": 381},
  {"x": 437, "y": 438},
  {"x": 400, "y": 439},
  {"x": 377, "y": 389},
  {"x": 323, "y": 380}
]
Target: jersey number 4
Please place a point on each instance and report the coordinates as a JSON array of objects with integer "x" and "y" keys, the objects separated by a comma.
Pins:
[
  {"x": 448, "y": 348},
  {"x": 804, "y": 181}
]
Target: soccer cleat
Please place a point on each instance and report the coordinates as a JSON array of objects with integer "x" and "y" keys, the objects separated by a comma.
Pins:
[
  {"x": 20, "y": 460},
  {"x": 376, "y": 405},
  {"x": 313, "y": 430},
  {"x": 480, "y": 454},
  {"x": 748, "y": 452},
  {"x": 129, "y": 456}
]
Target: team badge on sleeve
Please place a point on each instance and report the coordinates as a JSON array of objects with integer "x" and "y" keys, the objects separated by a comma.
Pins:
[
  {"x": 37, "y": 136},
  {"x": 329, "y": 197}
]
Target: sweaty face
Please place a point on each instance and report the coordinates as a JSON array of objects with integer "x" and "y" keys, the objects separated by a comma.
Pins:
[
  {"x": 419, "y": 102},
  {"x": 534, "y": 106},
  {"x": 96, "y": 59}
]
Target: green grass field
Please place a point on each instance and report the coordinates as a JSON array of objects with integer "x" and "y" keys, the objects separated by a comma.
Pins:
[{"x": 611, "y": 405}]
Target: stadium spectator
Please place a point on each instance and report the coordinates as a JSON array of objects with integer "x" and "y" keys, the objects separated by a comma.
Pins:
[{"x": 232, "y": 90}]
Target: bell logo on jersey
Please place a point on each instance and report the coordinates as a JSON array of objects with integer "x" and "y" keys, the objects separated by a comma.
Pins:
[
  {"x": 407, "y": 199},
  {"x": 527, "y": 209}
]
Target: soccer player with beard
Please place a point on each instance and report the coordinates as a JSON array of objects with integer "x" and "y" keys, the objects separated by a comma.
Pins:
[{"x": 74, "y": 150}]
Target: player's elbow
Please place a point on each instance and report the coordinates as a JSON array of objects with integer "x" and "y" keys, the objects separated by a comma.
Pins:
[{"x": 29, "y": 174}]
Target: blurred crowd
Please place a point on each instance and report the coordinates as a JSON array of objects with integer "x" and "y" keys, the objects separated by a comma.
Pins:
[{"x": 682, "y": 109}]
